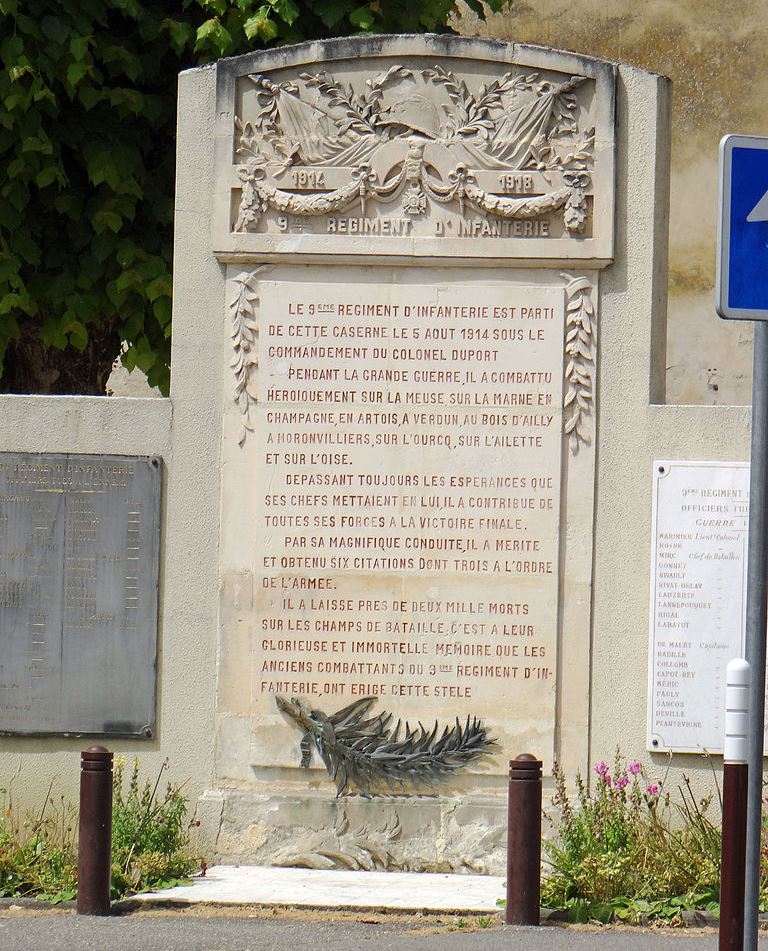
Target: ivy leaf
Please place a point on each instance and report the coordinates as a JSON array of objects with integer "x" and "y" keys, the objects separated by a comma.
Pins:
[
  {"x": 8, "y": 268},
  {"x": 101, "y": 168},
  {"x": 76, "y": 72},
  {"x": 128, "y": 359},
  {"x": 90, "y": 96},
  {"x": 77, "y": 334},
  {"x": 15, "y": 99},
  {"x": 16, "y": 194},
  {"x": 286, "y": 10},
  {"x": 8, "y": 302},
  {"x": 54, "y": 29},
  {"x": 127, "y": 101},
  {"x": 122, "y": 60},
  {"x": 145, "y": 358},
  {"x": 214, "y": 33},
  {"x": 78, "y": 47},
  {"x": 106, "y": 219},
  {"x": 260, "y": 26},
  {"x": 11, "y": 50},
  {"x": 218, "y": 6},
  {"x": 37, "y": 143},
  {"x": 159, "y": 375},
  {"x": 362, "y": 17},
  {"x": 130, "y": 7},
  {"x": 162, "y": 311},
  {"x": 181, "y": 34},
  {"x": 47, "y": 176},
  {"x": 158, "y": 287},
  {"x": 331, "y": 12},
  {"x": 16, "y": 168}
]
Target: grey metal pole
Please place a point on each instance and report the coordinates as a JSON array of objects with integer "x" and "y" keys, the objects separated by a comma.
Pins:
[{"x": 757, "y": 602}]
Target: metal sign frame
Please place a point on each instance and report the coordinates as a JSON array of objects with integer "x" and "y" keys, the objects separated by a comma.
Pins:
[{"x": 724, "y": 244}]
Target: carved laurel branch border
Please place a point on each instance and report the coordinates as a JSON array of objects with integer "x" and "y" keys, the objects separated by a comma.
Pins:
[
  {"x": 245, "y": 335},
  {"x": 580, "y": 351}
]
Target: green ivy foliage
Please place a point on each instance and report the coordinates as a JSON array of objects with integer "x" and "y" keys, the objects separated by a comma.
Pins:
[{"x": 87, "y": 126}]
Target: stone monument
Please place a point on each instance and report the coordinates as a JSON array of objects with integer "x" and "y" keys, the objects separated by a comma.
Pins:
[{"x": 412, "y": 230}]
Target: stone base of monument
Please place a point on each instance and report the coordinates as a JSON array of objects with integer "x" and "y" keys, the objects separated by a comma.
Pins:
[
  {"x": 319, "y": 831},
  {"x": 309, "y": 888}
]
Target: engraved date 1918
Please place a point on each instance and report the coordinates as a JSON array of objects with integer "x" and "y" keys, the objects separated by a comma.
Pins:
[{"x": 512, "y": 182}]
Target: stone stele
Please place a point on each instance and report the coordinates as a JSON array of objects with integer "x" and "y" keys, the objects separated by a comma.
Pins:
[{"x": 411, "y": 232}]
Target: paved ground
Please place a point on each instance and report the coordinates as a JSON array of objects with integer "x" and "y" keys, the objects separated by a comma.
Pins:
[
  {"x": 182, "y": 931},
  {"x": 255, "y": 909}
]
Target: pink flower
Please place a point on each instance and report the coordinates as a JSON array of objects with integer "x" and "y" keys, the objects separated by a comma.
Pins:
[
  {"x": 634, "y": 768},
  {"x": 653, "y": 790},
  {"x": 622, "y": 781},
  {"x": 606, "y": 778},
  {"x": 601, "y": 768}
]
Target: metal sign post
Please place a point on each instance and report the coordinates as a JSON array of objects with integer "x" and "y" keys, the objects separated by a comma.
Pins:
[{"x": 742, "y": 294}]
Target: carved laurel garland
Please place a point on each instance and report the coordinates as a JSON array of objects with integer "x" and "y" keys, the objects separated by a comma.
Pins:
[
  {"x": 580, "y": 351},
  {"x": 257, "y": 195},
  {"x": 244, "y": 334}
]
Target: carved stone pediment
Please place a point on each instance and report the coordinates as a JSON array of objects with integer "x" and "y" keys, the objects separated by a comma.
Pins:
[{"x": 426, "y": 146}]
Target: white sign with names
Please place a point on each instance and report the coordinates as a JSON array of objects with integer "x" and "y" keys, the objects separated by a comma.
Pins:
[{"x": 698, "y": 599}]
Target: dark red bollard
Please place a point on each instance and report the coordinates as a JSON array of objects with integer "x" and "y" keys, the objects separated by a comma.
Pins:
[
  {"x": 524, "y": 841},
  {"x": 734, "y": 848},
  {"x": 735, "y": 780},
  {"x": 94, "y": 855}
]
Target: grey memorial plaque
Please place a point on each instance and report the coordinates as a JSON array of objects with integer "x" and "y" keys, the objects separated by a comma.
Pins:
[{"x": 79, "y": 550}]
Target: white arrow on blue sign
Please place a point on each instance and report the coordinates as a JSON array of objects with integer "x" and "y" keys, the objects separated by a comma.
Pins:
[{"x": 742, "y": 235}]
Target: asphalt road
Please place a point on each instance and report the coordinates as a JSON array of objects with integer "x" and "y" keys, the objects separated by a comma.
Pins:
[{"x": 187, "y": 932}]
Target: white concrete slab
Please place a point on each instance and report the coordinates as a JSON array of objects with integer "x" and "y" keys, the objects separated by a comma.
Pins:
[{"x": 313, "y": 888}]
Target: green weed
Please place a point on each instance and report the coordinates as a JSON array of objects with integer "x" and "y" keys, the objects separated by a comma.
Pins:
[
  {"x": 150, "y": 833},
  {"x": 38, "y": 852},
  {"x": 150, "y": 841},
  {"x": 629, "y": 850}
]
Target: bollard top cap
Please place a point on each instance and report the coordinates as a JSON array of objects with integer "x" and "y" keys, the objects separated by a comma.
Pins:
[
  {"x": 96, "y": 754},
  {"x": 525, "y": 766},
  {"x": 738, "y": 673}
]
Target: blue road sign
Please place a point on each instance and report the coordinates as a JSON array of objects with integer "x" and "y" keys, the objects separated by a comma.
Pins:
[{"x": 742, "y": 235}]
